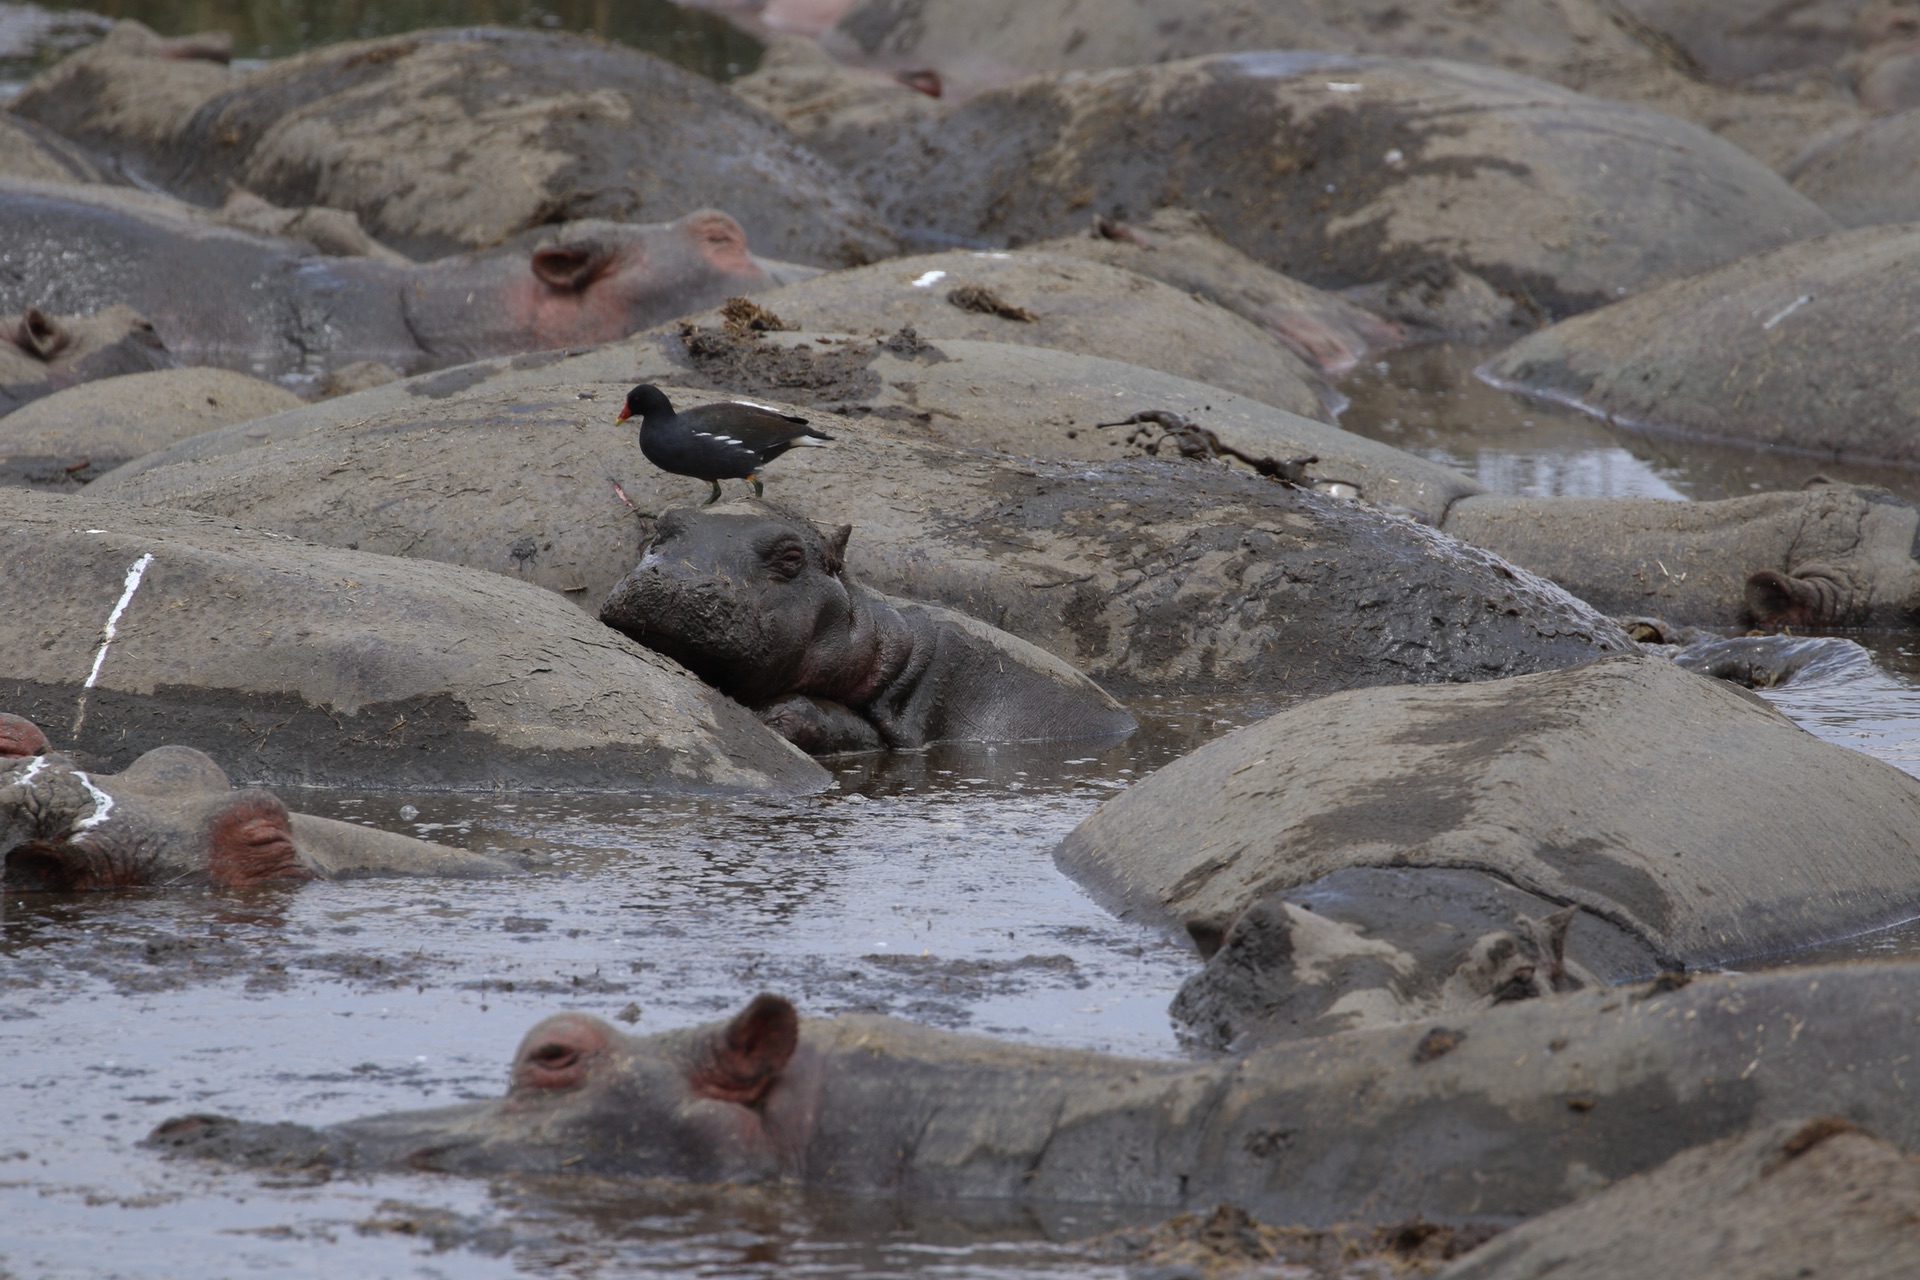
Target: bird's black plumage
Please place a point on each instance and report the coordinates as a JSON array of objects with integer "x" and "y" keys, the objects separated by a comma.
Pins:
[{"x": 715, "y": 442}]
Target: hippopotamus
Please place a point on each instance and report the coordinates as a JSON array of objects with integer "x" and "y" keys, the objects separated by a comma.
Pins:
[
  {"x": 275, "y": 308},
  {"x": 41, "y": 353},
  {"x": 1789, "y": 349},
  {"x": 1864, "y": 175},
  {"x": 129, "y": 628},
  {"x": 451, "y": 141},
  {"x": 757, "y": 602},
  {"x": 982, "y": 44},
  {"x": 1398, "y": 163},
  {"x": 1149, "y": 573},
  {"x": 1065, "y": 302},
  {"x": 1348, "y": 859},
  {"x": 172, "y": 818},
  {"x": 1493, "y": 1114},
  {"x": 1829, "y": 555},
  {"x": 65, "y": 439},
  {"x": 1802, "y": 1197}
]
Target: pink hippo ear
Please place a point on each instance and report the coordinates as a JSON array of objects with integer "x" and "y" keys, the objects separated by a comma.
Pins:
[
  {"x": 722, "y": 241},
  {"x": 252, "y": 841},
  {"x": 20, "y": 737},
  {"x": 748, "y": 1055},
  {"x": 573, "y": 264},
  {"x": 837, "y": 548}
]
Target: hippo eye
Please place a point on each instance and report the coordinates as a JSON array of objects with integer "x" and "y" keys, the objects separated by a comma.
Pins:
[
  {"x": 554, "y": 1057},
  {"x": 787, "y": 560}
]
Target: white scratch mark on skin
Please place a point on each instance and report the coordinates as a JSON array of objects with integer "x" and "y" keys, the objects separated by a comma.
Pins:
[
  {"x": 990, "y": 253},
  {"x": 33, "y": 769},
  {"x": 1788, "y": 310},
  {"x": 102, "y": 804},
  {"x": 930, "y": 279},
  {"x": 1342, "y": 86},
  {"x": 107, "y": 633}
]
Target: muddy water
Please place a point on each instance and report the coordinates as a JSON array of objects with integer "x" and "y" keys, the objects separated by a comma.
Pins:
[{"x": 921, "y": 888}]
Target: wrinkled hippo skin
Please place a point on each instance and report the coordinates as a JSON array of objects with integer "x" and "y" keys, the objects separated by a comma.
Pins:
[
  {"x": 1798, "y": 1198},
  {"x": 444, "y": 141},
  {"x": 1490, "y": 806},
  {"x": 172, "y": 818},
  {"x": 41, "y": 353},
  {"x": 1831, "y": 555},
  {"x": 1065, "y": 302},
  {"x": 316, "y": 665},
  {"x": 274, "y": 308},
  {"x": 1866, "y": 174},
  {"x": 1502, "y": 176},
  {"x": 1177, "y": 247},
  {"x": 1791, "y": 349},
  {"x": 1150, "y": 574},
  {"x": 757, "y": 602},
  {"x": 978, "y": 44},
  {"x": 1496, "y": 1114}
]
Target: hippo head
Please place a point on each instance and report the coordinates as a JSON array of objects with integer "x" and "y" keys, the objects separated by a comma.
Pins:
[
  {"x": 580, "y": 283},
  {"x": 41, "y": 353},
  {"x": 752, "y": 600},
  {"x": 171, "y": 818},
  {"x": 732, "y": 1102}
]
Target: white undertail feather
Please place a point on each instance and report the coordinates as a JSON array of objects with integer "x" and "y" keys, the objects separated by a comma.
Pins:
[{"x": 811, "y": 442}]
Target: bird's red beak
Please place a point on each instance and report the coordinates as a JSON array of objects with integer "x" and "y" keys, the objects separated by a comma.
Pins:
[{"x": 625, "y": 413}]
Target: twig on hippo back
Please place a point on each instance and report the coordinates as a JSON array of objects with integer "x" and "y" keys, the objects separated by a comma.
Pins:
[
  {"x": 621, "y": 494},
  {"x": 1195, "y": 441}
]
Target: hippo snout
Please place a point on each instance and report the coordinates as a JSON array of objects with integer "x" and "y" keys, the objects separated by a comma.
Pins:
[{"x": 697, "y": 619}]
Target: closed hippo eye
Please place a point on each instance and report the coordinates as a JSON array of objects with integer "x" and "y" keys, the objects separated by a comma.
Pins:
[{"x": 560, "y": 1052}]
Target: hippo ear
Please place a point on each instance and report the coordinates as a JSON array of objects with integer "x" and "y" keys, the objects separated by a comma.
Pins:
[
  {"x": 722, "y": 241},
  {"x": 572, "y": 264},
  {"x": 251, "y": 841},
  {"x": 41, "y": 335},
  {"x": 837, "y": 548},
  {"x": 746, "y": 1056}
]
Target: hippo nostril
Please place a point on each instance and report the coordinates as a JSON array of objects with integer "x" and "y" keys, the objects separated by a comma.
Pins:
[{"x": 42, "y": 867}]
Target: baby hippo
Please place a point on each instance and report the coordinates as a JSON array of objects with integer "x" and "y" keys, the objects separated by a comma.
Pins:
[
  {"x": 756, "y": 601},
  {"x": 172, "y": 818}
]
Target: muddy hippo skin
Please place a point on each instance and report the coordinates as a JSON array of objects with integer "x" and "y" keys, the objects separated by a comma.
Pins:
[
  {"x": 1816, "y": 1197},
  {"x": 1831, "y": 555},
  {"x": 274, "y": 308},
  {"x": 1149, "y": 574},
  {"x": 1354, "y": 859},
  {"x": 172, "y": 818},
  {"x": 41, "y": 353},
  {"x": 757, "y": 602},
  {"x": 129, "y": 628},
  {"x": 1398, "y": 163},
  {"x": 1499, "y": 1113},
  {"x": 445, "y": 141},
  {"x": 1791, "y": 348}
]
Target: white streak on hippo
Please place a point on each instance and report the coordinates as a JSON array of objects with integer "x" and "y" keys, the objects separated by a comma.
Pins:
[
  {"x": 102, "y": 802},
  {"x": 1788, "y": 310},
  {"x": 930, "y": 279},
  {"x": 33, "y": 768},
  {"x": 107, "y": 633}
]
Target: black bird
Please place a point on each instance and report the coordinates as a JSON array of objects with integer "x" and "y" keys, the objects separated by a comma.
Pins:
[{"x": 715, "y": 442}]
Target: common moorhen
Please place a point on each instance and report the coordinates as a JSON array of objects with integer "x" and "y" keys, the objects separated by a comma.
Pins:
[{"x": 727, "y": 441}]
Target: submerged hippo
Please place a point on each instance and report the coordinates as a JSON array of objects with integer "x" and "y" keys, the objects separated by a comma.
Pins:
[
  {"x": 758, "y": 603},
  {"x": 1496, "y": 1114},
  {"x": 1385, "y": 853},
  {"x": 172, "y": 818},
  {"x": 275, "y": 308},
  {"x": 41, "y": 353},
  {"x": 444, "y": 141},
  {"x": 1345, "y": 170},
  {"x": 1798, "y": 348},
  {"x": 1831, "y": 555}
]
